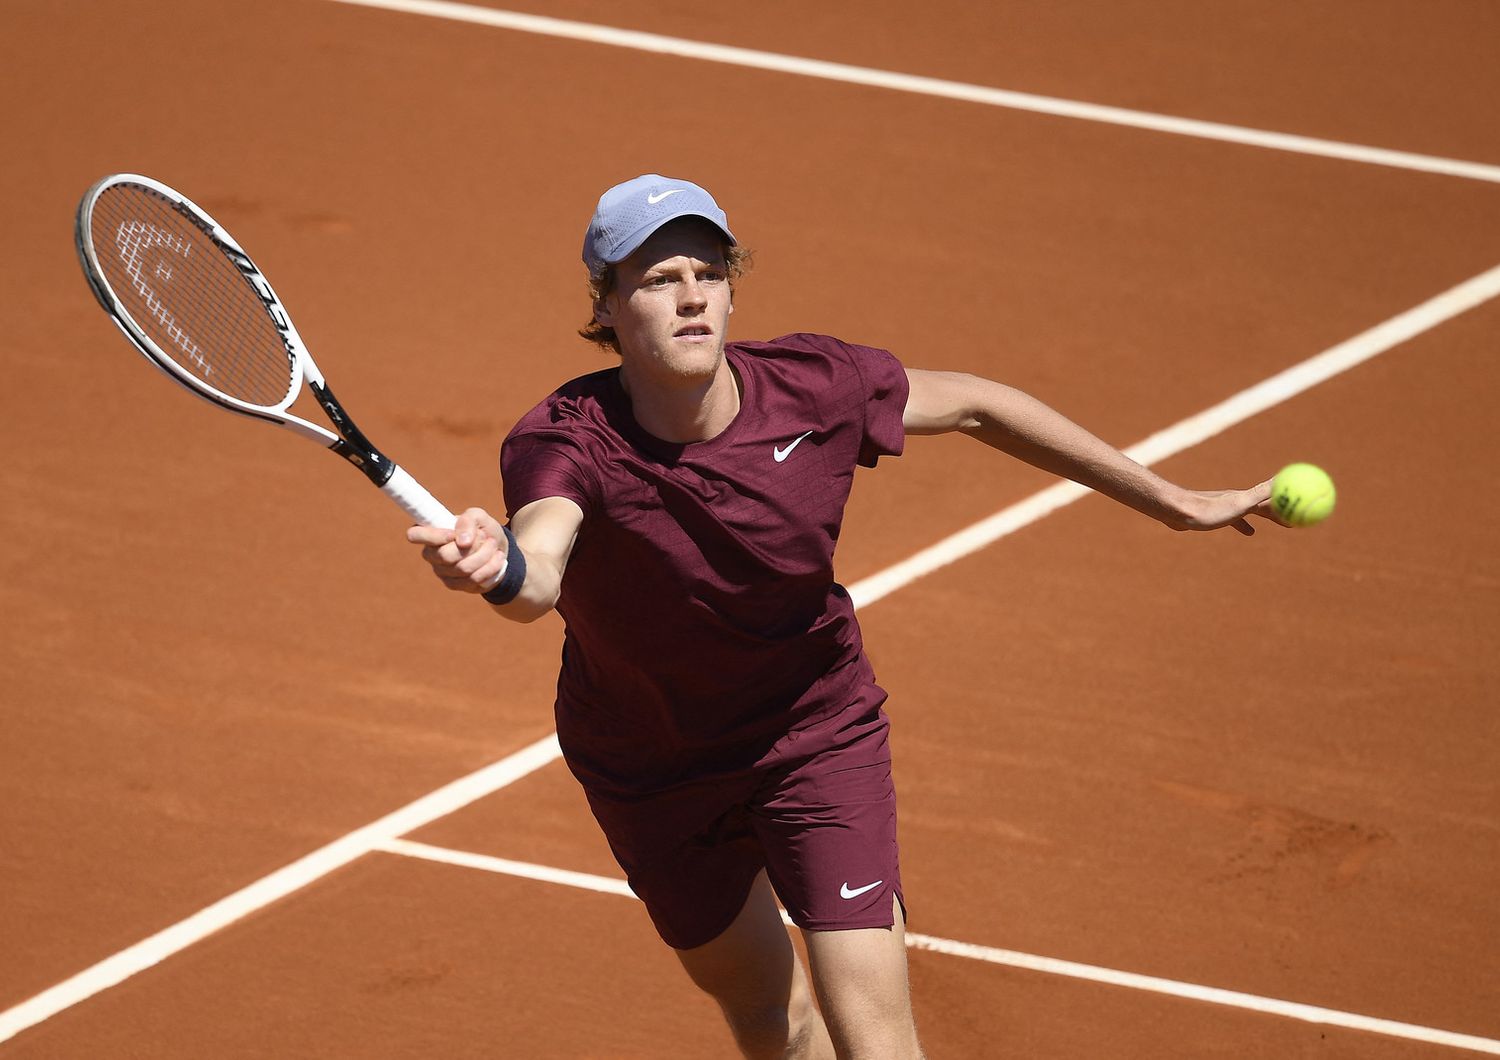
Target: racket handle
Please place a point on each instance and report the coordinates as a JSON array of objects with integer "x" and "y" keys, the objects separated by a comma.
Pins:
[{"x": 415, "y": 501}]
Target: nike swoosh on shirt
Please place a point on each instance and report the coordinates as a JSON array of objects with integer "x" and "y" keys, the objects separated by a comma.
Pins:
[
  {"x": 781, "y": 454},
  {"x": 654, "y": 199},
  {"x": 845, "y": 892}
]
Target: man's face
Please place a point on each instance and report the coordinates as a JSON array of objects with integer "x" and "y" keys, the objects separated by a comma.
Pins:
[{"x": 671, "y": 302}]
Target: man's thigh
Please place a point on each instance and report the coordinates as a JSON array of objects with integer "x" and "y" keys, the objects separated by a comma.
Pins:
[
  {"x": 689, "y": 855},
  {"x": 827, "y": 825}
]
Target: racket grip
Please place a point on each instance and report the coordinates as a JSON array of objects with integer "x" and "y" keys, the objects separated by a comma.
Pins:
[{"x": 415, "y": 501}]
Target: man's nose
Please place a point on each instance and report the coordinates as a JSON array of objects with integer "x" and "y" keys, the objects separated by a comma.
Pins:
[{"x": 692, "y": 296}]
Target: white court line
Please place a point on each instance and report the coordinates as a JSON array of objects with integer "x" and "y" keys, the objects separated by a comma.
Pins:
[
  {"x": 992, "y": 955},
  {"x": 586, "y": 881},
  {"x": 1190, "y": 432},
  {"x": 1212, "y": 995},
  {"x": 340, "y": 852},
  {"x": 931, "y": 86},
  {"x": 279, "y": 884}
]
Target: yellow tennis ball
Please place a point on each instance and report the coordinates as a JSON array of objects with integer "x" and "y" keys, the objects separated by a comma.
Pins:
[{"x": 1302, "y": 495}]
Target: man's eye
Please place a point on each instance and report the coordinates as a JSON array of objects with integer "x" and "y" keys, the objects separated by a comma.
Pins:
[{"x": 659, "y": 281}]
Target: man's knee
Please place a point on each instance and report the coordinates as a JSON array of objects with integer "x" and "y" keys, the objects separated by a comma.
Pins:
[
  {"x": 861, "y": 979},
  {"x": 776, "y": 1026},
  {"x": 752, "y": 971},
  {"x": 770, "y": 1016}
]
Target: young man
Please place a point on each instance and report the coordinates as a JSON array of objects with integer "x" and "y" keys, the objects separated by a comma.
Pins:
[{"x": 680, "y": 512}]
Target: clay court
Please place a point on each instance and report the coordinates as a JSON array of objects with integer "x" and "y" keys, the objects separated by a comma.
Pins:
[{"x": 267, "y": 791}]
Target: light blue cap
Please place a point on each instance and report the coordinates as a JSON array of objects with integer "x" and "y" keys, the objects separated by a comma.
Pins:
[{"x": 628, "y": 213}]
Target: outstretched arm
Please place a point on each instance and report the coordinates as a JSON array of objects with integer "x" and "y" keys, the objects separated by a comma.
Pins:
[
  {"x": 1018, "y": 424},
  {"x": 471, "y": 557}
]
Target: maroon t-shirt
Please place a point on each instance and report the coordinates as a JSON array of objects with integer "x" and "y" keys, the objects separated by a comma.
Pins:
[{"x": 703, "y": 620}]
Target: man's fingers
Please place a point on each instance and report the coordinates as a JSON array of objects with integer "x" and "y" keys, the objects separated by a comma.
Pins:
[
  {"x": 472, "y": 526},
  {"x": 428, "y": 535},
  {"x": 465, "y": 561},
  {"x": 489, "y": 575},
  {"x": 470, "y": 557},
  {"x": 1260, "y": 501},
  {"x": 479, "y": 556}
]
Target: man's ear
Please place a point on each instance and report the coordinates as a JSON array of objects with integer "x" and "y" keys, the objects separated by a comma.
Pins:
[{"x": 604, "y": 311}]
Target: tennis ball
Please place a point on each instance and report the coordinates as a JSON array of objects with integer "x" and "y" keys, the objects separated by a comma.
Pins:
[{"x": 1302, "y": 495}]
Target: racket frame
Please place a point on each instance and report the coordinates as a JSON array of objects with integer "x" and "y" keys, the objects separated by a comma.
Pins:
[{"x": 349, "y": 443}]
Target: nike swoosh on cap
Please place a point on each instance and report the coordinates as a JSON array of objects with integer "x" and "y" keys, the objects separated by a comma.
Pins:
[{"x": 654, "y": 199}]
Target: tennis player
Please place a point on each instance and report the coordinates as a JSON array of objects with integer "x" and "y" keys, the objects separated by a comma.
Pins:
[{"x": 680, "y": 512}]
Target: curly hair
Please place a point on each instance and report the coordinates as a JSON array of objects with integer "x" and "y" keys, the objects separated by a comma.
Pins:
[{"x": 602, "y": 282}]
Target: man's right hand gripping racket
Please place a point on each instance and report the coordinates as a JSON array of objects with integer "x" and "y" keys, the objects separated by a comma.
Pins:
[{"x": 188, "y": 297}]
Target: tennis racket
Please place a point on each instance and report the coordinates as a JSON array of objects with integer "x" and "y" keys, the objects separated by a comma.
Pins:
[{"x": 188, "y": 297}]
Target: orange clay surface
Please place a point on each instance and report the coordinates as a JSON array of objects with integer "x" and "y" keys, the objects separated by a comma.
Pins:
[{"x": 1265, "y": 765}]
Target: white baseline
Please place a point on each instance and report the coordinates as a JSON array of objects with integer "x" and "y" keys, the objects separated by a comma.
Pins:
[{"x": 704, "y": 51}]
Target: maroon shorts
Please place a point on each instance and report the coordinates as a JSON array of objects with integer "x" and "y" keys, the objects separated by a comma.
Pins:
[{"x": 821, "y": 822}]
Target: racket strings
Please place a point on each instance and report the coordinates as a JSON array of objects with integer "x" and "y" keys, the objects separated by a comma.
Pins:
[{"x": 188, "y": 297}]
